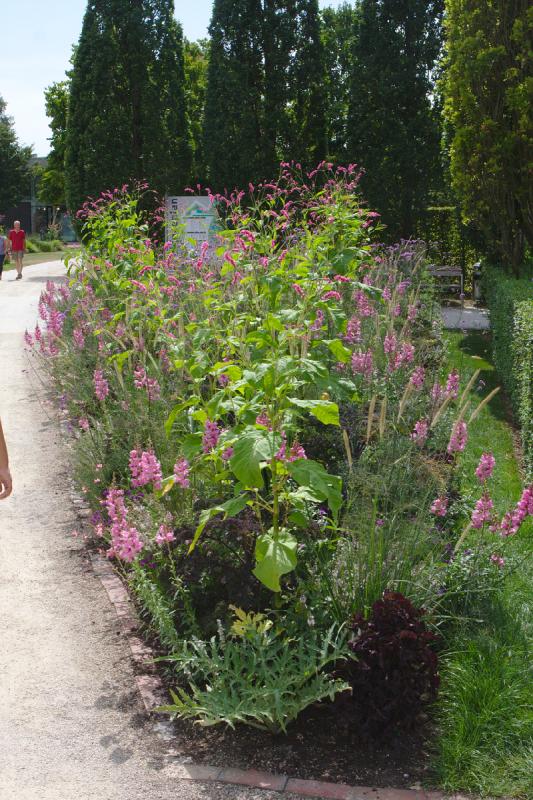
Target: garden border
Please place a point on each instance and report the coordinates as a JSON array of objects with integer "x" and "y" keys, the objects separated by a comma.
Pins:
[{"x": 153, "y": 694}]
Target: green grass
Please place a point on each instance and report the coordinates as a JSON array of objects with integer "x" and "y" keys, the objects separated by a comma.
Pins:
[
  {"x": 40, "y": 258},
  {"x": 485, "y": 710}
]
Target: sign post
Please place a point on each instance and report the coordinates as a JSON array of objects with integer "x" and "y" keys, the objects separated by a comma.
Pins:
[{"x": 197, "y": 218}]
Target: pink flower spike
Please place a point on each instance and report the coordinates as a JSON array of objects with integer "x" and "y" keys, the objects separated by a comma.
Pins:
[
  {"x": 482, "y": 512},
  {"x": 420, "y": 432},
  {"x": 452, "y": 384},
  {"x": 498, "y": 560},
  {"x": 485, "y": 467},
  {"x": 181, "y": 473},
  {"x": 101, "y": 386},
  {"x": 458, "y": 438},
  {"x": 439, "y": 507}
]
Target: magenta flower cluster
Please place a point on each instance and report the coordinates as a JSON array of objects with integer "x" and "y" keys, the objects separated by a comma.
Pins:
[
  {"x": 126, "y": 542},
  {"x": 101, "y": 386},
  {"x": 485, "y": 467},
  {"x": 142, "y": 381},
  {"x": 181, "y": 473},
  {"x": 145, "y": 469}
]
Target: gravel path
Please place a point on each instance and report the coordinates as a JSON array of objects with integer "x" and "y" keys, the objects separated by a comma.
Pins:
[
  {"x": 468, "y": 318},
  {"x": 71, "y": 725}
]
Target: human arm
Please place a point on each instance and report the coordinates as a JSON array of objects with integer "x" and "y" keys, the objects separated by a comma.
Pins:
[{"x": 6, "y": 483}]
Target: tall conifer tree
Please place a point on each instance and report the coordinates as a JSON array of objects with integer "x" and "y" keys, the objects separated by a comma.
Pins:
[
  {"x": 127, "y": 116},
  {"x": 487, "y": 88},
  {"x": 307, "y": 86},
  {"x": 337, "y": 39},
  {"x": 393, "y": 128},
  {"x": 233, "y": 142}
]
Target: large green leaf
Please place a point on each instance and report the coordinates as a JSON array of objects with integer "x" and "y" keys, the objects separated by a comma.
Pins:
[
  {"x": 275, "y": 556},
  {"x": 310, "y": 473},
  {"x": 230, "y": 509},
  {"x": 341, "y": 353},
  {"x": 252, "y": 449},
  {"x": 324, "y": 410}
]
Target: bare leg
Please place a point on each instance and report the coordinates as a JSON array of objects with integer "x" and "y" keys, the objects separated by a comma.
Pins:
[{"x": 18, "y": 262}]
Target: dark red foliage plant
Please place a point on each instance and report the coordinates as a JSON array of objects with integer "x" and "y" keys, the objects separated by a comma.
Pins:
[{"x": 395, "y": 673}]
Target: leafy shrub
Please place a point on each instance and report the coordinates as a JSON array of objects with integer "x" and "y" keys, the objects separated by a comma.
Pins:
[
  {"x": 395, "y": 673},
  {"x": 511, "y": 313},
  {"x": 43, "y": 246},
  {"x": 259, "y": 677}
]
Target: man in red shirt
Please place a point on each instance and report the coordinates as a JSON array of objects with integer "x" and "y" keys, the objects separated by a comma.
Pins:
[{"x": 17, "y": 246}]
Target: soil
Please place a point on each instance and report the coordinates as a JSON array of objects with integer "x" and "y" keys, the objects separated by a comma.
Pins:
[{"x": 321, "y": 745}]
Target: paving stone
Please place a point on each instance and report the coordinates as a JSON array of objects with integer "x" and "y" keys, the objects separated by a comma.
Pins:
[
  {"x": 253, "y": 777},
  {"x": 320, "y": 789}
]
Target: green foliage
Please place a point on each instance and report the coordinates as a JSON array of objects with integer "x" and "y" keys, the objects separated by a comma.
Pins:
[
  {"x": 43, "y": 245},
  {"x": 393, "y": 125},
  {"x": 232, "y": 127},
  {"x": 126, "y": 117},
  {"x": 486, "y": 723},
  {"x": 487, "y": 90},
  {"x": 264, "y": 679},
  {"x": 52, "y": 179},
  {"x": 337, "y": 47},
  {"x": 196, "y": 60},
  {"x": 14, "y": 163},
  {"x": 157, "y": 608},
  {"x": 511, "y": 313},
  {"x": 265, "y": 98}
]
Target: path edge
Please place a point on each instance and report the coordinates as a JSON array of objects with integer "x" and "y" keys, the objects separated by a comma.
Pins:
[{"x": 153, "y": 694}]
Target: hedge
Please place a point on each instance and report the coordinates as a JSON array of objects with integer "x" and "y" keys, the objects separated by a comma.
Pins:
[{"x": 510, "y": 303}]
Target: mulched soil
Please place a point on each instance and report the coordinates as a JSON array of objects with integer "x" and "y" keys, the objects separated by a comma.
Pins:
[{"x": 321, "y": 745}]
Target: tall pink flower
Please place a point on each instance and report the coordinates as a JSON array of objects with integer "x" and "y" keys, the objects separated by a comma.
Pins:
[
  {"x": 452, "y": 384},
  {"x": 390, "y": 343},
  {"x": 145, "y": 469},
  {"x": 439, "y": 507},
  {"x": 353, "y": 331},
  {"x": 101, "y": 386},
  {"x": 513, "y": 520},
  {"x": 417, "y": 377},
  {"x": 485, "y": 467},
  {"x": 181, "y": 473},
  {"x": 363, "y": 304},
  {"x": 211, "y": 436},
  {"x": 458, "y": 438},
  {"x": 165, "y": 535},
  {"x": 482, "y": 512},
  {"x": 362, "y": 363},
  {"x": 420, "y": 432}
]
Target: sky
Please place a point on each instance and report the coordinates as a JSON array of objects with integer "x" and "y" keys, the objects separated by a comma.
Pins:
[{"x": 39, "y": 54}]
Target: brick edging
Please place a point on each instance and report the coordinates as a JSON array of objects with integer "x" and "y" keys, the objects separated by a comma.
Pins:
[{"x": 153, "y": 694}]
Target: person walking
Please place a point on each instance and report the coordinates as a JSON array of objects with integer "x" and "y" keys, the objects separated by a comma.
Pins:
[
  {"x": 3, "y": 251},
  {"x": 17, "y": 246},
  {"x": 6, "y": 483}
]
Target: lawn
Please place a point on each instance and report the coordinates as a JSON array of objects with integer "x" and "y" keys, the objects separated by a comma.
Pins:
[
  {"x": 486, "y": 717},
  {"x": 40, "y": 258}
]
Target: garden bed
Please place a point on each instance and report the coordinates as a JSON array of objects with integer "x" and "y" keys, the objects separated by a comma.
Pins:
[{"x": 278, "y": 459}]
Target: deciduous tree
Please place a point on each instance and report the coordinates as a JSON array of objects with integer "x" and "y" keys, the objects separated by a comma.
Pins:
[{"x": 14, "y": 162}]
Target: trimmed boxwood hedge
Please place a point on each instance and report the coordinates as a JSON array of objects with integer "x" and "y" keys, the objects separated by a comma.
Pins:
[{"x": 510, "y": 303}]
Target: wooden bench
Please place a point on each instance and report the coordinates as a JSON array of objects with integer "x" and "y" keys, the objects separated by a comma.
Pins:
[{"x": 448, "y": 273}]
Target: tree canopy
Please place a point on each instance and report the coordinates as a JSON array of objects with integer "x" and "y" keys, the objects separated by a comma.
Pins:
[
  {"x": 127, "y": 116},
  {"x": 14, "y": 162},
  {"x": 487, "y": 88}
]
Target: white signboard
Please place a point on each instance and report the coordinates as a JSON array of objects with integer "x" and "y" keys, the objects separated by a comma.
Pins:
[{"x": 191, "y": 218}]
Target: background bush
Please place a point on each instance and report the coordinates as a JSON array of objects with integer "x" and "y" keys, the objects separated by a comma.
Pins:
[
  {"x": 511, "y": 312},
  {"x": 43, "y": 246}
]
